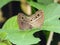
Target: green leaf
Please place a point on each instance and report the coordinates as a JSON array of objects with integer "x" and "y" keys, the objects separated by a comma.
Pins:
[
  {"x": 1, "y": 43},
  {"x": 3, "y": 2},
  {"x": 11, "y": 23},
  {"x": 37, "y": 5},
  {"x": 2, "y": 36},
  {"x": 52, "y": 15},
  {"x": 46, "y": 2},
  {"x": 17, "y": 36},
  {"x": 6, "y": 42}
]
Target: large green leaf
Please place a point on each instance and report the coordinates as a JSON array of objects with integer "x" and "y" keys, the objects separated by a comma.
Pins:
[
  {"x": 3, "y": 2},
  {"x": 52, "y": 15},
  {"x": 17, "y": 36},
  {"x": 22, "y": 37},
  {"x": 46, "y": 2}
]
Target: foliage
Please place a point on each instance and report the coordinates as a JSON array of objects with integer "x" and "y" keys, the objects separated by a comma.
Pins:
[
  {"x": 11, "y": 23},
  {"x": 27, "y": 36},
  {"x": 52, "y": 15},
  {"x": 51, "y": 23},
  {"x": 3, "y": 40},
  {"x": 37, "y": 5},
  {"x": 2, "y": 35},
  {"x": 19, "y": 37}
]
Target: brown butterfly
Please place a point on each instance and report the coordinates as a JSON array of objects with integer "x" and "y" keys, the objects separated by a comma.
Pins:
[{"x": 28, "y": 22}]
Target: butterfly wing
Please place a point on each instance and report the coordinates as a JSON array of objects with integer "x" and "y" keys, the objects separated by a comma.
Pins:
[
  {"x": 34, "y": 21},
  {"x": 22, "y": 21},
  {"x": 37, "y": 19}
]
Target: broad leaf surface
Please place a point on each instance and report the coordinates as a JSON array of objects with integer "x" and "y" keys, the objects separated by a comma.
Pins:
[
  {"x": 52, "y": 15},
  {"x": 22, "y": 37},
  {"x": 17, "y": 36}
]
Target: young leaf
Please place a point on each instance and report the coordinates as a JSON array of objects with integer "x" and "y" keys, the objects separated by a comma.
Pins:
[{"x": 52, "y": 15}]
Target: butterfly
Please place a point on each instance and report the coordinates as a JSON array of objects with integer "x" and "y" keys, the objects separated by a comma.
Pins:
[{"x": 28, "y": 22}]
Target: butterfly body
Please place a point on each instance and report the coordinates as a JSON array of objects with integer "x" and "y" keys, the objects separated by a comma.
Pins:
[{"x": 29, "y": 22}]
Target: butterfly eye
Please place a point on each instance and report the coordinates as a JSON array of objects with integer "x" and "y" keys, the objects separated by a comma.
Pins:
[{"x": 23, "y": 19}]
